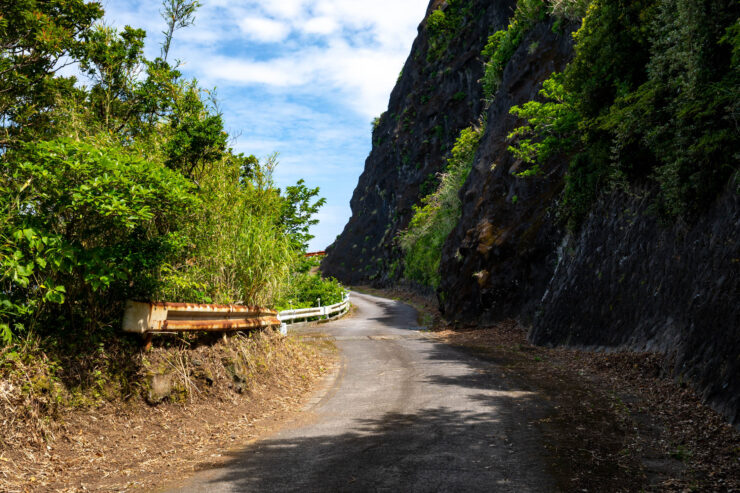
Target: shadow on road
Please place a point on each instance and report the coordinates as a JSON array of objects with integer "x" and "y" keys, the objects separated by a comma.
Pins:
[{"x": 491, "y": 447}]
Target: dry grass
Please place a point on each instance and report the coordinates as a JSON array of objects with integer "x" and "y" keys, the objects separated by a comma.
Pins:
[
  {"x": 30, "y": 398},
  {"x": 224, "y": 393}
]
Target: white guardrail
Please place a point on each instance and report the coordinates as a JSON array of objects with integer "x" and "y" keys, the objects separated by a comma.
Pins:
[{"x": 318, "y": 312}]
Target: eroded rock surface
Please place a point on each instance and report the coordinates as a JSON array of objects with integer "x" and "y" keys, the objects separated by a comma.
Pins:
[
  {"x": 627, "y": 281},
  {"x": 434, "y": 99}
]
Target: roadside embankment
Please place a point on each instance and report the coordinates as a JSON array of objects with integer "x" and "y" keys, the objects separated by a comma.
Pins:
[{"x": 123, "y": 418}]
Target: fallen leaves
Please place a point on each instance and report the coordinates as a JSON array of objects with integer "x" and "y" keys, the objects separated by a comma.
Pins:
[{"x": 132, "y": 446}]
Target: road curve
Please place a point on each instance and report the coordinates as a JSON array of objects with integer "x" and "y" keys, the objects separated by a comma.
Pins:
[{"x": 406, "y": 413}]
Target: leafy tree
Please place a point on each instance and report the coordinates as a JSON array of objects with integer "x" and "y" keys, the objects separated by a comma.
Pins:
[
  {"x": 198, "y": 135},
  {"x": 37, "y": 37},
  {"x": 125, "y": 188},
  {"x": 298, "y": 211},
  {"x": 112, "y": 60},
  {"x": 86, "y": 221},
  {"x": 247, "y": 166}
]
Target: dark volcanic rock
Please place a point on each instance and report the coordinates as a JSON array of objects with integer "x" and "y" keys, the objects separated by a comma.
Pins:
[
  {"x": 432, "y": 102},
  {"x": 627, "y": 281},
  {"x": 501, "y": 255}
]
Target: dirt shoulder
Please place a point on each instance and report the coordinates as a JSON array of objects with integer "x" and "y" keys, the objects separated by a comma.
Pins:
[
  {"x": 219, "y": 396},
  {"x": 619, "y": 421}
]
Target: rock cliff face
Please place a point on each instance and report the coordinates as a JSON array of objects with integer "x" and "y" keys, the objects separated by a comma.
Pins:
[
  {"x": 437, "y": 95},
  {"x": 501, "y": 255},
  {"x": 627, "y": 281},
  {"x": 624, "y": 281}
]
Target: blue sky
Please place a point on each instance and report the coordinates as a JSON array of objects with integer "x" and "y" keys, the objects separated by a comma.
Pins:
[{"x": 303, "y": 78}]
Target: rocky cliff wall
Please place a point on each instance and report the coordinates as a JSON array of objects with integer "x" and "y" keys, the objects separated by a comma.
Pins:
[
  {"x": 501, "y": 255},
  {"x": 437, "y": 95},
  {"x": 627, "y": 281},
  {"x": 624, "y": 281}
]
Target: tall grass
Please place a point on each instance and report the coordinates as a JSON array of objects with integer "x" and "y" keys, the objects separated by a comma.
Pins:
[{"x": 237, "y": 252}]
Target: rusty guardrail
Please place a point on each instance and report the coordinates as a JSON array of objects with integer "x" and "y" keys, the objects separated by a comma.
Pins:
[
  {"x": 314, "y": 254},
  {"x": 150, "y": 318}
]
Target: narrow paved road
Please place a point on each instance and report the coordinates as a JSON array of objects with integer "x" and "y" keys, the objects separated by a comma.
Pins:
[{"x": 405, "y": 414}]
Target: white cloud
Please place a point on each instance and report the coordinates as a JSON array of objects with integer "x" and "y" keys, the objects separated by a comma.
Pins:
[
  {"x": 320, "y": 25},
  {"x": 264, "y": 30},
  {"x": 355, "y": 50},
  {"x": 278, "y": 73},
  {"x": 302, "y": 77},
  {"x": 287, "y": 9}
]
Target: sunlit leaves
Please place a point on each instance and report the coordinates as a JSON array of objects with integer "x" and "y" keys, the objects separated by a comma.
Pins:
[
  {"x": 84, "y": 220},
  {"x": 438, "y": 213}
]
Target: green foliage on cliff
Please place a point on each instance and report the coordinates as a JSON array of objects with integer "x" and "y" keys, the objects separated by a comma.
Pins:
[
  {"x": 502, "y": 44},
  {"x": 125, "y": 188},
  {"x": 438, "y": 214},
  {"x": 651, "y": 98},
  {"x": 571, "y": 10},
  {"x": 443, "y": 25},
  {"x": 550, "y": 127}
]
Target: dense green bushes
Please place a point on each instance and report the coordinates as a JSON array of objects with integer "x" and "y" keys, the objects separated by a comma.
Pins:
[
  {"x": 502, "y": 44},
  {"x": 438, "y": 214},
  {"x": 307, "y": 290},
  {"x": 84, "y": 220},
  {"x": 651, "y": 98},
  {"x": 236, "y": 251},
  {"x": 125, "y": 188},
  {"x": 307, "y": 287},
  {"x": 553, "y": 121}
]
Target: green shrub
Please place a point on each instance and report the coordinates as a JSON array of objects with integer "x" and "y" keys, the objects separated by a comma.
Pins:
[
  {"x": 306, "y": 289},
  {"x": 444, "y": 25},
  {"x": 125, "y": 188},
  {"x": 550, "y": 129},
  {"x": 650, "y": 97},
  {"x": 572, "y": 10},
  {"x": 502, "y": 44},
  {"x": 438, "y": 214},
  {"x": 459, "y": 96},
  {"x": 87, "y": 222},
  {"x": 237, "y": 251}
]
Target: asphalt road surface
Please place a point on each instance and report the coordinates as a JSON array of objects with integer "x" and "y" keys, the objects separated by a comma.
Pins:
[{"x": 405, "y": 414}]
